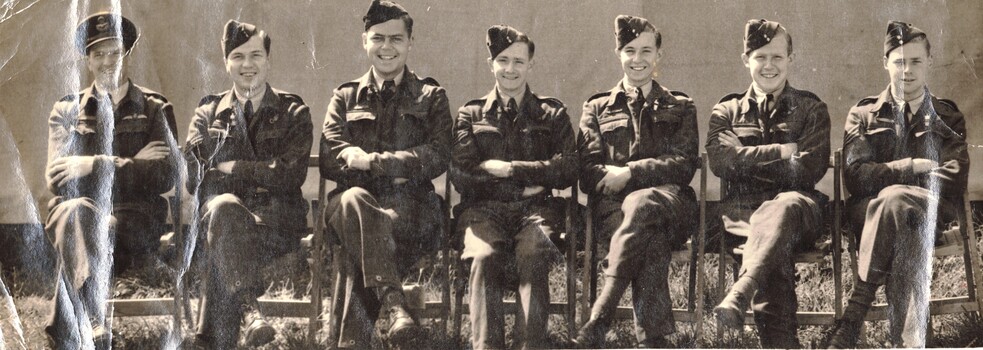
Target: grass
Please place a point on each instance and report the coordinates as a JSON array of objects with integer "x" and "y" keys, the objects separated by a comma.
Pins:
[{"x": 289, "y": 279}]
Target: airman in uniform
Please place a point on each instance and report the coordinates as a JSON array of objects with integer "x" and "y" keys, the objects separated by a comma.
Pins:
[
  {"x": 247, "y": 154},
  {"x": 386, "y": 136},
  {"x": 512, "y": 148},
  {"x": 111, "y": 155},
  {"x": 639, "y": 149},
  {"x": 770, "y": 146},
  {"x": 906, "y": 169}
]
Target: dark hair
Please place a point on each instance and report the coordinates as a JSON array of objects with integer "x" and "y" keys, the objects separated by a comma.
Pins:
[
  {"x": 523, "y": 38},
  {"x": 658, "y": 34},
  {"x": 407, "y": 22},
  {"x": 788, "y": 39},
  {"x": 922, "y": 38}
]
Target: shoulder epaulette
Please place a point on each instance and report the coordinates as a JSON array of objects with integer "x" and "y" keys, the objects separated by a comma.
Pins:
[
  {"x": 552, "y": 101},
  {"x": 353, "y": 83},
  {"x": 430, "y": 81},
  {"x": 679, "y": 94},
  {"x": 808, "y": 94},
  {"x": 867, "y": 100},
  {"x": 732, "y": 96},
  {"x": 949, "y": 103},
  {"x": 475, "y": 102},
  {"x": 70, "y": 97},
  {"x": 598, "y": 95},
  {"x": 209, "y": 99}
]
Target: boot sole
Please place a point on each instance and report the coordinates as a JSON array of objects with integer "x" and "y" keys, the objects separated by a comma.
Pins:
[
  {"x": 729, "y": 317},
  {"x": 260, "y": 336}
]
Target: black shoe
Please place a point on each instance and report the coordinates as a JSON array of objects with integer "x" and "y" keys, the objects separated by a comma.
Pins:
[
  {"x": 101, "y": 337},
  {"x": 591, "y": 335},
  {"x": 402, "y": 327},
  {"x": 259, "y": 333},
  {"x": 655, "y": 343},
  {"x": 730, "y": 311},
  {"x": 844, "y": 335}
]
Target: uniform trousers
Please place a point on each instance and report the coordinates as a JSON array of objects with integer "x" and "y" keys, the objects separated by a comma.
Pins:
[
  {"x": 382, "y": 235},
  {"x": 87, "y": 236},
  {"x": 772, "y": 231},
  {"x": 645, "y": 226},
  {"x": 237, "y": 245},
  {"x": 502, "y": 237},
  {"x": 900, "y": 227}
]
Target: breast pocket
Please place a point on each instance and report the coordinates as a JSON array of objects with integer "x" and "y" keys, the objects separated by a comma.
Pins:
[
  {"x": 748, "y": 135},
  {"x": 131, "y": 135},
  {"x": 270, "y": 142},
  {"x": 787, "y": 131},
  {"x": 538, "y": 139},
  {"x": 664, "y": 124},
  {"x": 616, "y": 136},
  {"x": 360, "y": 125},
  {"x": 490, "y": 140},
  {"x": 411, "y": 128}
]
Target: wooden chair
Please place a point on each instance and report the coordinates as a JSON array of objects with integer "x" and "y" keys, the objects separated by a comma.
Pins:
[
  {"x": 176, "y": 305},
  {"x": 416, "y": 298},
  {"x": 693, "y": 254},
  {"x": 458, "y": 275},
  {"x": 815, "y": 256},
  {"x": 958, "y": 240}
]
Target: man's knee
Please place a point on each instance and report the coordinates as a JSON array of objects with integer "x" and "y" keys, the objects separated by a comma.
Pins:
[
  {"x": 790, "y": 202},
  {"x": 899, "y": 198},
  {"x": 222, "y": 203},
  {"x": 355, "y": 197}
]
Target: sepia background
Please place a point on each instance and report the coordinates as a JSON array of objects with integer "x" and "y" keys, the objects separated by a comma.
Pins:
[{"x": 316, "y": 47}]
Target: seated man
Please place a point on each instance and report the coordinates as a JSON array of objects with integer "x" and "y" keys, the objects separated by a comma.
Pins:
[
  {"x": 906, "y": 170},
  {"x": 639, "y": 145},
  {"x": 512, "y": 149},
  {"x": 247, "y": 154},
  {"x": 770, "y": 146},
  {"x": 385, "y": 137},
  {"x": 111, "y": 154}
]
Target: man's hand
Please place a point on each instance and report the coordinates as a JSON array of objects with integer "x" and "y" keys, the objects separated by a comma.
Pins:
[
  {"x": 532, "y": 191},
  {"x": 922, "y": 165},
  {"x": 356, "y": 158},
  {"x": 154, "y": 150},
  {"x": 65, "y": 169},
  {"x": 789, "y": 150},
  {"x": 729, "y": 138},
  {"x": 497, "y": 168},
  {"x": 614, "y": 180},
  {"x": 226, "y": 167}
]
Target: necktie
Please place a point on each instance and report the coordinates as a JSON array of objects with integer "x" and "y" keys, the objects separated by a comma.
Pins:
[
  {"x": 388, "y": 90},
  {"x": 512, "y": 109},
  {"x": 766, "y": 108},
  {"x": 247, "y": 113},
  {"x": 636, "y": 106},
  {"x": 636, "y": 120}
]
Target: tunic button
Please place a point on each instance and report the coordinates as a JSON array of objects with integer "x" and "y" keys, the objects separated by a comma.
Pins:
[{"x": 378, "y": 278}]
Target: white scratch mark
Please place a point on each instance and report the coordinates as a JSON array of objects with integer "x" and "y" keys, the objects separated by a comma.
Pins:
[{"x": 970, "y": 62}]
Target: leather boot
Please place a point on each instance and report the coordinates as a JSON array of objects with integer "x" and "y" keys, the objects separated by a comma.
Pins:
[
  {"x": 402, "y": 326},
  {"x": 730, "y": 311},
  {"x": 846, "y": 330},
  {"x": 591, "y": 335}
]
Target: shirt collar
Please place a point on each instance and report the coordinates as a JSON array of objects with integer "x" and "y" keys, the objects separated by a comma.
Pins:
[
  {"x": 526, "y": 103},
  {"x": 133, "y": 96},
  {"x": 656, "y": 92},
  {"x": 379, "y": 81},
  {"x": 270, "y": 99},
  {"x": 368, "y": 80},
  {"x": 752, "y": 96}
]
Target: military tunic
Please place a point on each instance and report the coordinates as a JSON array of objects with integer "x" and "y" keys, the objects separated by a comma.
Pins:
[
  {"x": 769, "y": 203},
  {"x": 899, "y": 210},
  {"x": 500, "y": 227},
  {"x": 255, "y": 213},
  {"x": 659, "y": 143},
  {"x": 388, "y": 217},
  {"x": 120, "y": 201}
]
